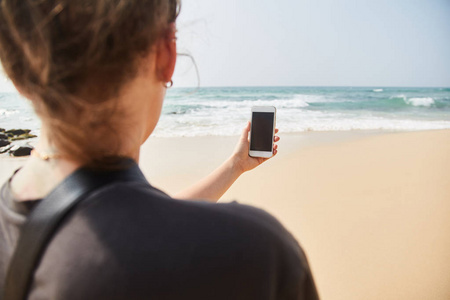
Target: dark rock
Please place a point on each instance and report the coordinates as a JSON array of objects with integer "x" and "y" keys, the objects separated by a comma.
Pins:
[
  {"x": 21, "y": 151},
  {"x": 24, "y": 136},
  {"x": 4, "y": 143},
  {"x": 2, "y": 129},
  {"x": 3, "y": 136},
  {"x": 18, "y": 131}
]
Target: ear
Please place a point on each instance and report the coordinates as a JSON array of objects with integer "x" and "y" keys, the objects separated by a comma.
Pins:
[{"x": 166, "y": 54}]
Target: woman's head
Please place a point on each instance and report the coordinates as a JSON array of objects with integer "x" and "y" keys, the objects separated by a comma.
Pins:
[{"x": 72, "y": 58}]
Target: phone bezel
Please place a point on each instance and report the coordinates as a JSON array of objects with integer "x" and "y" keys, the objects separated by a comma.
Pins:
[{"x": 269, "y": 109}]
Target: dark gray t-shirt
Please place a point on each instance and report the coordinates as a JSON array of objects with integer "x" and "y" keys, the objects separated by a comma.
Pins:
[{"x": 131, "y": 241}]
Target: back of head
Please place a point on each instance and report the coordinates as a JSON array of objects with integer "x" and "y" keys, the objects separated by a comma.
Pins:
[{"x": 72, "y": 57}]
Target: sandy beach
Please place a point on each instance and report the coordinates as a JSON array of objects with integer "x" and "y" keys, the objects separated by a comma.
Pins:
[{"x": 371, "y": 209}]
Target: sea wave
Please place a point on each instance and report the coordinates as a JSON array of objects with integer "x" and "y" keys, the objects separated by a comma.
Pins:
[
  {"x": 415, "y": 101},
  {"x": 296, "y": 101},
  {"x": 401, "y": 96},
  {"x": 427, "y": 102},
  {"x": 377, "y": 90},
  {"x": 289, "y": 120}
]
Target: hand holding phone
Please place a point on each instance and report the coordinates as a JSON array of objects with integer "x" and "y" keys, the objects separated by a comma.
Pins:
[{"x": 262, "y": 131}]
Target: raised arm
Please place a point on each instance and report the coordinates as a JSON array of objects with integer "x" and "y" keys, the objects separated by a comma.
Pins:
[{"x": 213, "y": 186}]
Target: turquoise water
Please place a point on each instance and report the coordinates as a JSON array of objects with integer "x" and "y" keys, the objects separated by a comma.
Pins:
[{"x": 224, "y": 111}]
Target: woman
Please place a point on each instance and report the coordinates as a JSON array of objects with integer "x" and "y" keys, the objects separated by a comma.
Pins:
[{"x": 96, "y": 73}]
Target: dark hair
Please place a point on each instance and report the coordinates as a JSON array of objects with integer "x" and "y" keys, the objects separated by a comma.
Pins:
[{"x": 70, "y": 57}]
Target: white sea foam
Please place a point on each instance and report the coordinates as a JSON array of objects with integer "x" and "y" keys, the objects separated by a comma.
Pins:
[
  {"x": 5, "y": 112},
  {"x": 377, "y": 90},
  {"x": 427, "y": 102},
  {"x": 399, "y": 96},
  {"x": 288, "y": 120}
]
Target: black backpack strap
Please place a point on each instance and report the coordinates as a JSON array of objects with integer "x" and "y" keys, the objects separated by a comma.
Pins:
[{"x": 45, "y": 219}]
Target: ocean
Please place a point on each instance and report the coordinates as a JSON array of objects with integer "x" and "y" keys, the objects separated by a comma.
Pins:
[{"x": 224, "y": 111}]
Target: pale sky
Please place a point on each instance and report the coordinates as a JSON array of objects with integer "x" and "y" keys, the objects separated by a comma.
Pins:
[{"x": 313, "y": 43}]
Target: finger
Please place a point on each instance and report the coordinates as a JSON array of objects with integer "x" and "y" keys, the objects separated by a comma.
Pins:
[
  {"x": 275, "y": 151},
  {"x": 276, "y": 130},
  {"x": 275, "y": 147},
  {"x": 244, "y": 135},
  {"x": 276, "y": 138}
]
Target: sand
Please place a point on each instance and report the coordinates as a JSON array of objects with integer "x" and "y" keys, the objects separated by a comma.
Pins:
[{"x": 371, "y": 209}]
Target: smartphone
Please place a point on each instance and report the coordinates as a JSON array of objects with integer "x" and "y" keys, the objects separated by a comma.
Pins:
[{"x": 262, "y": 131}]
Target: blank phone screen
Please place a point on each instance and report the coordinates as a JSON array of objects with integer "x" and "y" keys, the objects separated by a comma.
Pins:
[{"x": 262, "y": 130}]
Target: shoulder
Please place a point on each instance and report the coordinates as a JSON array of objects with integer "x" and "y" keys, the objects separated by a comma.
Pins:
[
  {"x": 238, "y": 220},
  {"x": 132, "y": 234},
  {"x": 141, "y": 207},
  {"x": 140, "y": 200}
]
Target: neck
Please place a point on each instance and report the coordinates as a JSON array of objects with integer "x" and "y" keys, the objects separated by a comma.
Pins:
[
  {"x": 29, "y": 184},
  {"x": 130, "y": 142}
]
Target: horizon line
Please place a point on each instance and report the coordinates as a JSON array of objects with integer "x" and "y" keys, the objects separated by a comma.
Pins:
[{"x": 306, "y": 86}]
